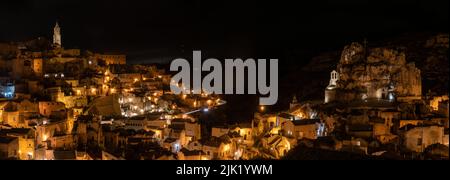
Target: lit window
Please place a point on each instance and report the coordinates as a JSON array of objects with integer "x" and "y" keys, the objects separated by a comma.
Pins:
[{"x": 391, "y": 97}]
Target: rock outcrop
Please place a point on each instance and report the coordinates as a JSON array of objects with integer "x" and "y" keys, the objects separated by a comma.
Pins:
[{"x": 377, "y": 73}]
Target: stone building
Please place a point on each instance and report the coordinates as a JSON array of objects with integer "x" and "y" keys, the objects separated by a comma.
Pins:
[
  {"x": 417, "y": 138},
  {"x": 26, "y": 140},
  {"x": 112, "y": 58},
  {"x": 9, "y": 147},
  {"x": 50, "y": 107},
  {"x": 7, "y": 89},
  {"x": 10, "y": 115}
]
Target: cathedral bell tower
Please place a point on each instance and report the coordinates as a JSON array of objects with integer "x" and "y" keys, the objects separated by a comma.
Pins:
[
  {"x": 294, "y": 102},
  {"x": 57, "y": 35}
]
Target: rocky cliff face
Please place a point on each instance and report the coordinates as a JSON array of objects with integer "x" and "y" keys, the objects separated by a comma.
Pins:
[
  {"x": 376, "y": 72},
  {"x": 428, "y": 52}
]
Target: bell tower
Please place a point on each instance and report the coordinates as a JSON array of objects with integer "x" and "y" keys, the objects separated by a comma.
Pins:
[
  {"x": 294, "y": 102},
  {"x": 57, "y": 35},
  {"x": 330, "y": 91},
  {"x": 334, "y": 78}
]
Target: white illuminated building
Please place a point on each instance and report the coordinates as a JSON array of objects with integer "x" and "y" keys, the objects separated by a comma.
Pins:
[
  {"x": 330, "y": 91},
  {"x": 7, "y": 90}
]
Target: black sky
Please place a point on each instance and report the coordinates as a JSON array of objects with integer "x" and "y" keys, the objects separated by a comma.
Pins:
[{"x": 144, "y": 29}]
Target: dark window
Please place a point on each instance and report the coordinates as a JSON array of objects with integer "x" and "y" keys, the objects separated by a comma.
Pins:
[{"x": 27, "y": 63}]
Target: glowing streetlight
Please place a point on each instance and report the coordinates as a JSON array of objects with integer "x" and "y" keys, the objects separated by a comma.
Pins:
[
  {"x": 226, "y": 148},
  {"x": 262, "y": 108}
]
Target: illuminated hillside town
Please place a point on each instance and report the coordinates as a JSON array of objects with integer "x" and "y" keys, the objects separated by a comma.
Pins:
[{"x": 58, "y": 103}]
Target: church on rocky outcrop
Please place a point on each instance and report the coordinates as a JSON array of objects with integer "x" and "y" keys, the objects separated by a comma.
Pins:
[{"x": 373, "y": 75}]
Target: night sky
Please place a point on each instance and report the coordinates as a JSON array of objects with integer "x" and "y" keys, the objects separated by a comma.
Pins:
[{"x": 148, "y": 29}]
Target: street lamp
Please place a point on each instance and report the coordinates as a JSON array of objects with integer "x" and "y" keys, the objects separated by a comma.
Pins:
[{"x": 262, "y": 108}]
